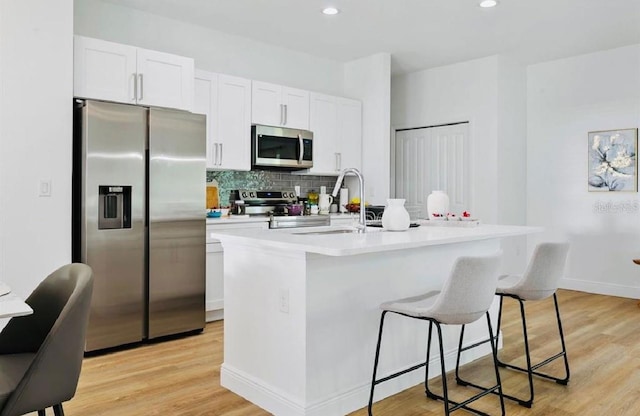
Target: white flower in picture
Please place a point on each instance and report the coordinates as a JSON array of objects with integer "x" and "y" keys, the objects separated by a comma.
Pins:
[{"x": 612, "y": 160}]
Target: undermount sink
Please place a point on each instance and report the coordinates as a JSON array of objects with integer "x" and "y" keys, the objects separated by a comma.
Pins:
[{"x": 341, "y": 231}]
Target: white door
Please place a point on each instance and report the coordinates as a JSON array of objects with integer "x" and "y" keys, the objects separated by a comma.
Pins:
[
  {"x": 104, "y": 70},
  {"x": 266, "y": 104},
  {"x": 323, "y": 122},
  {"x": 350, "y": 134},
  {"x": 205, "y": 101},
  {"x": 296, "y": 108},
  {"x": 432, "y": 158},
  {"x": 234, "y": 122},
  {"x": 165, "y": 80}
]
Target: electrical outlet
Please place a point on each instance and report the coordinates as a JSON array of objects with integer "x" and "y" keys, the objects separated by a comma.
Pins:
[
  {"x": 44, "y": 187},
  {"x": 284, "y": 300}
]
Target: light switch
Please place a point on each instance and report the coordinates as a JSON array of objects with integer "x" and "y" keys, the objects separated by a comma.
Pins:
[{"x": 45, "y": 187}]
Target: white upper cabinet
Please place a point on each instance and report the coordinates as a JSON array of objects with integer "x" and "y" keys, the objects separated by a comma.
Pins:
[
  {"x": 164, "y": 80},
  {"x": 324, "y": 125},
  {"x": 104, "y": 70},
  {"x": 275, "y": 105},
  {"x": 114, "y": 72},
  {"x": 349, "y": 146},
  {"x": 336, "y": 123},
  {"x": 296, "y": 108},
  {"x": 205, "y": 101},
  {"x": 234, "y": 122},
  {"x": 226, "y": 100}
]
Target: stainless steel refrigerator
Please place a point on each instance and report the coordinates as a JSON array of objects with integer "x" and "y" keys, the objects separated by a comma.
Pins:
[{"x": 139, "y": 179}]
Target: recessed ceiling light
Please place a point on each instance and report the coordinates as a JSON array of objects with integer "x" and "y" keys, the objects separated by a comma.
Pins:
[
  {"x": 488, "y": 3},
  {"x": 330, "y": 10}
]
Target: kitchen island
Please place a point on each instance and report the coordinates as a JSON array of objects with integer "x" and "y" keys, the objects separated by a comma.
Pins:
[{"x": 302, "y": 310}]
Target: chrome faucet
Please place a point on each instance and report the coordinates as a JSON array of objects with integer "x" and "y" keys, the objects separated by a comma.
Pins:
[{"x": 363, "y": 216}]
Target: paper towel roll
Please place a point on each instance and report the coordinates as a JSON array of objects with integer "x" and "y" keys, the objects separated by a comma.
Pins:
[{"x": 344, "y": 199}]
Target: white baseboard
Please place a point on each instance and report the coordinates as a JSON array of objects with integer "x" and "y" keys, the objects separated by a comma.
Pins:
[
  {"x": 600, "y": 288},
  {"x": 214, "y": 315},
  {"x": 276, "y": 402},
  {"x": 258, "y": 393}
]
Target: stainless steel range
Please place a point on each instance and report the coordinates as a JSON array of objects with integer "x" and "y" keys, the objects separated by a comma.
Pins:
[{"x": 279, "y": 206}]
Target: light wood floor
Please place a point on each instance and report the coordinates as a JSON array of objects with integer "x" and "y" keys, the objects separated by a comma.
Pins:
[{"x": 182, "y": 377}]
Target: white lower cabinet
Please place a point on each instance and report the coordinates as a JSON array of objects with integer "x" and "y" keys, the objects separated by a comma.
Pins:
[{"x": 214, "y": 298}]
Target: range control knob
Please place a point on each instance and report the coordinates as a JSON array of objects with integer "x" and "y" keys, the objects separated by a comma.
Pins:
[
  {"x": 244, "y": 195},
  {"x": 252, "y": 194}
]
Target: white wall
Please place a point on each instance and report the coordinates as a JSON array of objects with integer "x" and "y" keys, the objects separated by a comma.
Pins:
[
  {"x": 565, "y": 100},
  {"x": 490, "y": 94},
  {"x": 461, "y": 92},
  {"x": 511, "y": 150},
  {"x": 212, "y": 51},
  {"x": 369, "y": 79},
  {"x": 36, "y": 68}
]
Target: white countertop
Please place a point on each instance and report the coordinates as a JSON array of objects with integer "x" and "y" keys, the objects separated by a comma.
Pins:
[
  {"x": 235, "y": 219},
  {"x": 374, "y": 240}
]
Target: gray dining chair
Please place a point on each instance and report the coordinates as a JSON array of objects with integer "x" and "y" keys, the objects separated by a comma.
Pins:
[
  {"x": 41, "y": 354},
  {"x": 539, "y": 281},
  {"x": 465, "y": 297}
]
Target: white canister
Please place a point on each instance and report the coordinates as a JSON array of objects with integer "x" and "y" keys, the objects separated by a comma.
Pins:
[
  {"x": 344, "y": 199},
  {"x": 324, "y": 203},
  {"x": 395, "y": 216},
  {"x": 437, "y": 203}
]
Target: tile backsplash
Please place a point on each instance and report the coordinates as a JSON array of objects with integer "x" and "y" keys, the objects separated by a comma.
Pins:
[{"x": 267, "y": 180}]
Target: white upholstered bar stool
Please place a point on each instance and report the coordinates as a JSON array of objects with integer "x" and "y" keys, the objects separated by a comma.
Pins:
[
  {"x": 465, "y": 297},
  {"x": 539, "y": 281}
]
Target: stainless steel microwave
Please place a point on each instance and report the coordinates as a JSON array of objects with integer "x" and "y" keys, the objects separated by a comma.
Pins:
[{"x": 279, "y": 147}]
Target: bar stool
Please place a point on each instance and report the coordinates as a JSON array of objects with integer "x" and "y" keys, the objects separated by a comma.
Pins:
[
  {"x": 466, "y": 296},
  {"x": 539, "y": 281}
]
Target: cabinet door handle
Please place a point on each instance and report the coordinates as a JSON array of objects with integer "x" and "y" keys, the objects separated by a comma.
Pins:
[
  {"x": 285, "y": 115},
  {"x": 135, "y": 87},
  {"x": 140, "y": 82},
  {"x": 301, "y": 154},
  {"x": 339, "y": 161},
  {"x": 281, "y": 115},
  {"x": 214, "y": 153},
  {"x": 220, "y": 163}
]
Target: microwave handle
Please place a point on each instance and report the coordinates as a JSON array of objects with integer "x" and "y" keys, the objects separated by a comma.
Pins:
[{"x": 301, "y": 144}]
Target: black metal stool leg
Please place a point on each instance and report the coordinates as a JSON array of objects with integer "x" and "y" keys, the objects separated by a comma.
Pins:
[
  {"x": 375, "y": 363},
  {"x": 526, "y": 403},
  {"x": 458, "y": 379},
  {"x": 494, "y": 353},
  {"x": 57, "y": 409},
  {"x": 426, "y": 368},
  {"x": 443, "y": 372},
  {"x": 565, "y": 380}
]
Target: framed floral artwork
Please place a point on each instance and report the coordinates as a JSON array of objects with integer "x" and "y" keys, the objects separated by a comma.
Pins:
[{"x": 613, "y": 166}]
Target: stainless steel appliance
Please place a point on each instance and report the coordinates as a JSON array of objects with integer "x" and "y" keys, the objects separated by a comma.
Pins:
[
  {"x": 275, "y": 205},
  {"x": 278, "y": 147},
  {"x": 139, "y": 179}
]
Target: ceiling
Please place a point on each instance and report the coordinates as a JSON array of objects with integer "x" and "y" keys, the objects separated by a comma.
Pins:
[{"x": 418, "y": 34}]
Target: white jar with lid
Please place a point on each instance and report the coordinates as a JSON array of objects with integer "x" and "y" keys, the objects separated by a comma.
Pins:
[{"x": 437, "y": 203}]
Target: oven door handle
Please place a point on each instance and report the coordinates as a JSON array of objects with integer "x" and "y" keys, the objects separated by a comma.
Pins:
[{"x": 301, "y": 144}]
